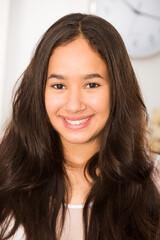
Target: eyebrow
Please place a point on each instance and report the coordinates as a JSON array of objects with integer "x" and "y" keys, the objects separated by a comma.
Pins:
[
  {"x": 93, "y": 75},
  {"x": 87, "y": 76},
  {"x": 57, "y": 76}
]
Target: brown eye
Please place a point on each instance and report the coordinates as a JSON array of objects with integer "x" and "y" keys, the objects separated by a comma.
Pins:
[
  {"x": 92, "y": 85},
  {"x": 58, "y": 86}
]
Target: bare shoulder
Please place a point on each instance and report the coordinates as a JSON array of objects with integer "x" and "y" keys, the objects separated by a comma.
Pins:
[{"x": 156, "y": 173}]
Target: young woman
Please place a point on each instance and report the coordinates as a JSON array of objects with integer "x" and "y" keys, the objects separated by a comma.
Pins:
[{"x": 74, "y": 160}]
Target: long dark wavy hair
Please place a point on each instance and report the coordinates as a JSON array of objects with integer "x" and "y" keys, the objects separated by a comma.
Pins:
[{"x": 126, "y": 203}]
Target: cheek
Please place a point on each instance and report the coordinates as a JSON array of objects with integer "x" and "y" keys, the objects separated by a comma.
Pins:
[
  {"x": 101, "y": 104},
  {"x": 52, "y": 104}
]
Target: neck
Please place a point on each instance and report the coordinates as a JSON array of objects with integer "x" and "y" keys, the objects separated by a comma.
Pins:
[{"x": 77, "y": 155}]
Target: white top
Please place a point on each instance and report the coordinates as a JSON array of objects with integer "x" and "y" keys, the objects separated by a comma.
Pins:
[{"x": 73, "y": 226}]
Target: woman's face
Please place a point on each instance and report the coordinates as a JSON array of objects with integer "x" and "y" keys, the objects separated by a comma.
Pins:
[{"x": 77, "y": 92}]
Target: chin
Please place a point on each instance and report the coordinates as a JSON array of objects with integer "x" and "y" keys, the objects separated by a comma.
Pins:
[{"x": 75, "y": 140}]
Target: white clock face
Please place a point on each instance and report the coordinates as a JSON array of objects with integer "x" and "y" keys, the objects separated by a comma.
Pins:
[{"x": 137, "y": 21}]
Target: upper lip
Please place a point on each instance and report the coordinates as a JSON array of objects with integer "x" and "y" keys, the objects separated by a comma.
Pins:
[{"x": 76, "y": 118}]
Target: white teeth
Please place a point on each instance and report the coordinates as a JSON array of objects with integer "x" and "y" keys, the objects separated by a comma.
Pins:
[{"x": 78, "y": 121}]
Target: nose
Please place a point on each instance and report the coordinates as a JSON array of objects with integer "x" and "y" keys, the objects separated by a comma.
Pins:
[{"x": 75, "y": 102}]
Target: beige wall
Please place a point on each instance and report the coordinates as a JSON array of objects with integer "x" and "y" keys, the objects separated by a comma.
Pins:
[
  {"x": 4, "y": 22},
  {"x": 148, "y": 74}
]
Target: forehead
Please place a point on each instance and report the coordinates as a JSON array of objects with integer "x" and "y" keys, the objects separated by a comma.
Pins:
[{"x": 78, "y": 56}]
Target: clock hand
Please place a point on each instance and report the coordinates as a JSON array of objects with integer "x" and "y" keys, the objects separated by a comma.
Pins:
[
  {"x": 149, "y": 15},
  {"x": 129, "y": 5},
  {"x": 136, "y": 11}
]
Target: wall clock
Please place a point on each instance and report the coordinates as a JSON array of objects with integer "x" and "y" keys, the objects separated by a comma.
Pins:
[{"x": 137, "y": 21}]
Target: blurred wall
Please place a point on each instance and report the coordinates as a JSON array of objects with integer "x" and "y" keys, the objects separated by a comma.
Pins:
[
  {"x": 22, "y": 23},
  {"x": 4, "y": 22}
]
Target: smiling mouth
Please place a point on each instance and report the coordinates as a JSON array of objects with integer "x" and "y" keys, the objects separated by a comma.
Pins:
[{"x": 77, "y": 122}]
